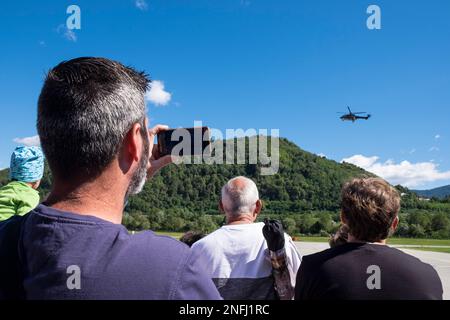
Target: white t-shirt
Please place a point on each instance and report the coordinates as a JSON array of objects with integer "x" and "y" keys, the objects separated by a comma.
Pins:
[{"x": 238, "y": 261}]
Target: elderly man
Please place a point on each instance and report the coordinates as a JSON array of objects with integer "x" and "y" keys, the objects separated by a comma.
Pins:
[
  {"x": 236, "y": 254},
  {"x": 365, "y": 268},
  {"x": 93, "y": 129}
]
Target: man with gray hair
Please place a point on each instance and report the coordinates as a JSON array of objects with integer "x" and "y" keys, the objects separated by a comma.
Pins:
[
  {"x": 93, "y": 129},
  {"x": 236, "y": 254}
]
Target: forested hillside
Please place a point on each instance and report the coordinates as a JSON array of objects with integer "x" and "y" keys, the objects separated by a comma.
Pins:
[{"x": 304, "y": 182}]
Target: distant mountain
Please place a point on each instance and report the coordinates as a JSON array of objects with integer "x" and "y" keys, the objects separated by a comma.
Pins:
[{"x": 440, "y": 193}]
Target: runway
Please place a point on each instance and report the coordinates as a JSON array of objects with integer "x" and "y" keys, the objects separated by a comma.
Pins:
[{"x": 439, "y": 261}]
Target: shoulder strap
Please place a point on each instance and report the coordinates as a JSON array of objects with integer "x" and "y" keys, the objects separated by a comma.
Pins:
[{"x": 11, "y": 280}]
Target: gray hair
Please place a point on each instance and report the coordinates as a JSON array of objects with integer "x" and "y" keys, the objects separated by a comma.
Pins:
[
  {"x": 239, "y": 196},
  {"x": 86, "y": 107}
]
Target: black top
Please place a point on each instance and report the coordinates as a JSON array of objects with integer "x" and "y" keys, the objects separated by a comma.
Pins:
[{"x": 363, "y": 271}]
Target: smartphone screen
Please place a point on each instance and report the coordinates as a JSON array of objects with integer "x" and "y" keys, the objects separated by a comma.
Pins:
[{"x": 185, "y": 141}]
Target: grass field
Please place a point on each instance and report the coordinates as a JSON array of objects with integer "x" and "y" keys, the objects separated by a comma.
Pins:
[
  {"x": 176, "y": 235},
  {"x": 413, "y": 244},
  {"x": 394, "y": 241},
  {"x": 407, "y": 243}
]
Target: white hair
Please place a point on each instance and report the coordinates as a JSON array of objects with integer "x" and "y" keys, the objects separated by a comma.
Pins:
[{"x": 239, "y": 196}]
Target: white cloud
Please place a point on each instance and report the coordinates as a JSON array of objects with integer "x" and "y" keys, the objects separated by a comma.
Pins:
[
  {"x": 157, "y": 95},
  {"x": 141, "y": 5},
  {"x": 28, "y": 141},
  {"x": 361, "y": 161},
  {"x": 66, "y": 33},
  {"x": 408, "y": 174},
  {"x": 412, "y": 151},
  {"x": 438, "y": 136},
  {"x": 322, "y": 155}
]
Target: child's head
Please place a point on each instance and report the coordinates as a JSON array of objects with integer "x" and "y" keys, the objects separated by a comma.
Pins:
[
  {"x": 191, "y": 237},
  {"x": 340, "y": 237},
  {"x": 27, "y": 165}
]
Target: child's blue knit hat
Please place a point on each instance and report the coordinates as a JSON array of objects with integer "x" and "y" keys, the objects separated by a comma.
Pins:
[{"x": 27, "y": 164}]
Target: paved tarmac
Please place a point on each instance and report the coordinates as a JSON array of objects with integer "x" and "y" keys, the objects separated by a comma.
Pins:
[{"x": 440, "y": 261}]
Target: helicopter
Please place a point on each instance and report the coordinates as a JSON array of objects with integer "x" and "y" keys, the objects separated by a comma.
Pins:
[{"x": 353, "y": 116}]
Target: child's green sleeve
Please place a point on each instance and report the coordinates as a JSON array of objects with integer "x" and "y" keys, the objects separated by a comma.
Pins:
[{"x": 27, "y": 202}]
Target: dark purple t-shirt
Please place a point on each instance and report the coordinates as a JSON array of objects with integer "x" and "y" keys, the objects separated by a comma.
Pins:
[{"x": 70, "y": 256}]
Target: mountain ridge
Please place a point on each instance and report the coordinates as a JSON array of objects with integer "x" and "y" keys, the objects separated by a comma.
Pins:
[{"x": 439, "y": 192}]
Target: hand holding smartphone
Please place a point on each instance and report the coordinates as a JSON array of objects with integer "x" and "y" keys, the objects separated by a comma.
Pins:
[{"x": 185, "y": 141}]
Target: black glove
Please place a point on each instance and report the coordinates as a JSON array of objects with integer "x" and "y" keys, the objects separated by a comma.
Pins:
[{"x": 274, "y": 234}]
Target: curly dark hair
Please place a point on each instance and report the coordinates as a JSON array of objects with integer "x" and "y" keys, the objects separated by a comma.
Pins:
[
  {"x": 191, "y": 237},
  {"x": 369, "y": 207}
]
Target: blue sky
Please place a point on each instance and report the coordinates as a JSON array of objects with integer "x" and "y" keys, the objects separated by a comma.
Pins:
[{"x": 289, "y": 65}]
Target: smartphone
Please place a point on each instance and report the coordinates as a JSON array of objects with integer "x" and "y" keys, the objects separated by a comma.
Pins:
[{"x": 187, "y": 141}]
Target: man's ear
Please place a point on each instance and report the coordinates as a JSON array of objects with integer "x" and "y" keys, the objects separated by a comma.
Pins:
[
  {"x": 395, "y": 224},
  {"x": 258, "y": 207},
  {"x": 131, "y": 151}
]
